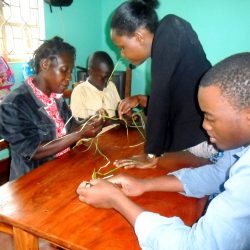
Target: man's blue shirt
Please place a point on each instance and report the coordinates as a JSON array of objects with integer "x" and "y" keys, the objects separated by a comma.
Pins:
[{"x": 226, "y": 224}]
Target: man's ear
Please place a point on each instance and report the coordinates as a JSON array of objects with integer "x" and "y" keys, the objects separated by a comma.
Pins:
[
  {"x": 248, "y": 115},
  {"x": 45, "y": 64},
  {"x": 90, "y": 71}
]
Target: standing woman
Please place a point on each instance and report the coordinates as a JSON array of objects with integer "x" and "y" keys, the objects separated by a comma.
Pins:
[
  {"x": 35, "y": 119},
  {"x": 178, "y": 63}
]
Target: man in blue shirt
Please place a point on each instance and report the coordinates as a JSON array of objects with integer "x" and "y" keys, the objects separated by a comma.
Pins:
[{"x": 224, "y": 98}]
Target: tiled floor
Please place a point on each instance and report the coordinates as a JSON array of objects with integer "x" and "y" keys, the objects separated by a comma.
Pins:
[{"x": 6, "y": 243}]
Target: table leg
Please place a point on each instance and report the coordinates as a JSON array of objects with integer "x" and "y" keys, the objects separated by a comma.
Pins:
[
  {"x": 4, "y": 228},
  {"x": 24, "y": 240}
]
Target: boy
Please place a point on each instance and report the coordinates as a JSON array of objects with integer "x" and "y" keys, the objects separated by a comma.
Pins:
[
  {"x": 224, "y": 98},
  {"x": 96, "y": 92}
]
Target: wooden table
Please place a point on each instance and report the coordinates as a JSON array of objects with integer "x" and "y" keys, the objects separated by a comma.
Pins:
[{"x": 44, "y": 203}]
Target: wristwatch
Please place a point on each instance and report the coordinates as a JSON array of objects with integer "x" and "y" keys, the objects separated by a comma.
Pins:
[
  {"x": 151, "y": 156},
  {"x": 154, "y": 156}
]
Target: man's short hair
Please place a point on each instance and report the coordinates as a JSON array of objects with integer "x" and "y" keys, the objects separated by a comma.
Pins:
[{"x": 232, "y": 76}]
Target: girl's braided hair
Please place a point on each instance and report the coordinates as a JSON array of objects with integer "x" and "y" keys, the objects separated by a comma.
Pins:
[{"x": 51, "y": 49}]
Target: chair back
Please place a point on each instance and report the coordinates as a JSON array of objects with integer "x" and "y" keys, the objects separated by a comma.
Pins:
[
  {"x": 82, "y": 74},
  {"x": 4, "y": 163}
]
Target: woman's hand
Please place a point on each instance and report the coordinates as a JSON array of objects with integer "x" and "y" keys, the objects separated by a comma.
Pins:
[
  {"x": 126, "y": 105},
  {"x": 137, "y": 161}
]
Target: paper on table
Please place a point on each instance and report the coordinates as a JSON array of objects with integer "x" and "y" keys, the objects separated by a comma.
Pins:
[{"x": 107, "y": 128}]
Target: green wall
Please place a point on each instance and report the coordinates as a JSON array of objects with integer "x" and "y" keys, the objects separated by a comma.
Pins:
[
  {"x": 79, "y": 24},
  {"x": 223, "y": 27}
]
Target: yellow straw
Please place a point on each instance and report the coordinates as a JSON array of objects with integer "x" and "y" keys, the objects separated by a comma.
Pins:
[{"x": 113, "y": 70}]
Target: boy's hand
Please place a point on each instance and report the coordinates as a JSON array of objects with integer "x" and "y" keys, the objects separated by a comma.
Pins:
[
  {"x": 137, "y": 161},
  {"x": 102, "y": 112},
  {"x": 128, "y": 119}
]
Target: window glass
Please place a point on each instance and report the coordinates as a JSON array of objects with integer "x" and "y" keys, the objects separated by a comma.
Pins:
[{"x": 21, "y": 28}]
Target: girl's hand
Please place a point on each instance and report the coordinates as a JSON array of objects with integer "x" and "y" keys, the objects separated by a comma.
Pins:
[{"x": 92, "y": 127}]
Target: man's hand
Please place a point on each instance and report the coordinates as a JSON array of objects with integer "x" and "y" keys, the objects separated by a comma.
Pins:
[
  {"x": 137, "y": 161},
  {"x": 99, "y": 193},
  {"x": 131, "y": 186}
]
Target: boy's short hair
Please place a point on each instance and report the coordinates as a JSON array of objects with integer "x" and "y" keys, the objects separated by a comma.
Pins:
[
  {"x": 232, "y": 76},
  {"x": 99, "y": 57}
]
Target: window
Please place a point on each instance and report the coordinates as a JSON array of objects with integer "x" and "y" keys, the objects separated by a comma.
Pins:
[{"x": 21, "y": 28}]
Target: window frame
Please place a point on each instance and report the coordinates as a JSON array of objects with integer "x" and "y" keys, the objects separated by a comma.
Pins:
[{"x": 25, "y": 26}]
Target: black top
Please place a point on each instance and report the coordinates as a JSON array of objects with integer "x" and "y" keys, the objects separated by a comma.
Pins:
[
  {"x": 24, "y": 123},
  {"x": 178, "y": 63}
]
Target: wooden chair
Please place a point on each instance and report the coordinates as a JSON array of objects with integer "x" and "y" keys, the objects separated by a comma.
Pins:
[
  {"x": 67, "y": 93},
  {"x": 81, "y": 74},
  {"x": 4, "y": 163},
  {"x": 128, "y": 81},
  {"x": 122, "y": 80}
]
